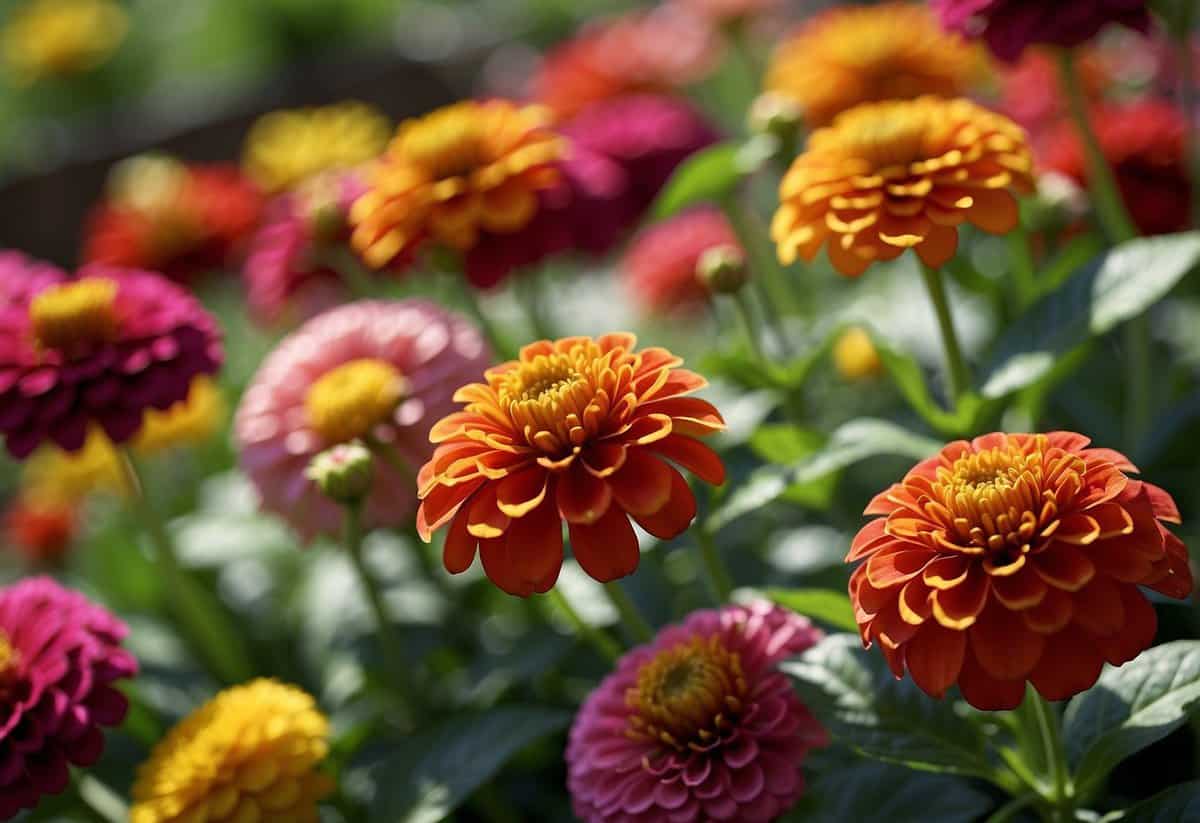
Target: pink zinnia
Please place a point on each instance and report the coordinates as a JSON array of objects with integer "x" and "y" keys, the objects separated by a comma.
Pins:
[
  {"x": 659, "y": 269},
  {"x": 1008, "y": 26},
  {"x": 59, "y": 658},
  {"x": 100, "y": 347},
  {"x": 697, "y": 725},
  {"x": 380, "y": 371}
]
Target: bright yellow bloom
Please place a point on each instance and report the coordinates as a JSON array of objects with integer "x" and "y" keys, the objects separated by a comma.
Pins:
[
  {"x": 855, "y": 356},
  {"x": 904, "y": 174},
  {"x": 59, "y": 38},
  {"x": 862, "y": 54},
  {"x": 287, "y": 147},
  {"x": 250, "y": 754},
  {"x": 192, "y": 422}
]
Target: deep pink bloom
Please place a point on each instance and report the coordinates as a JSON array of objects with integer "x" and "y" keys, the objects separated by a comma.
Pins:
[
  {"x": 22, "y": 277},
  {"x": 434, "y": 352},
  {"x": 1008, "y": 26},
  {"x": 60, "y": 656},
  {"x": 632, "y": 756},
  {"x": 659, "y": 269},
  {"x": 100, "y": 347}
]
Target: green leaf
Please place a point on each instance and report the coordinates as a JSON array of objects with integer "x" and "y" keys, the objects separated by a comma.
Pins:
[
  {"x": 852, "y": 442},
  {"x": 1178, "y": 804},
  {"x": 855, "y": 696},
  {"x": 706, "y": 176},
  {"x": 1122, "y": 285},
  {"x": 824, "y": 605},
  {"x": 439, "y": 769},
  {"x": 1130, "y": 708},
  {"x": 783, "y": 443}
]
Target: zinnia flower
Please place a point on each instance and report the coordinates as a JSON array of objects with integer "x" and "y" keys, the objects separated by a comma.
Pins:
[
  {"x": 1008, "y": 26},
  {"x": 886, "y": 177},
  {"x": 180, "y": 220},
  {"x": 864, "y": 54},
  {"x": 61, "y": 38},
  {"x": 659, "y": 268},
  {"x": 60, "y": 656},
  {"x": 580, "y": 430},
  {"x": 1145, "y": 145},
  {"x": 1015, "y": 557},
  {"x": 287, "y": 147},
  {"x": 101, "y": 347},
  {"x": 658, "y": 51},
  {"x": 697, "y": 725},
  {"x": 380, "y": 371},
  {"x": 40, "y": 533},
  {"x": 253, "y": 752}
]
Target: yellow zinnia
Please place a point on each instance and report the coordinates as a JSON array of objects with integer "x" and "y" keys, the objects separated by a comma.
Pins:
[{"x": 60, "y": 38}]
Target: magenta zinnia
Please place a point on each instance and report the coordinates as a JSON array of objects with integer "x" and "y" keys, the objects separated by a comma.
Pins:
[
  {"x": 60, "y": 656},
  {"x": 101, "y": 347},
  {"x": 697, "y": 725}
]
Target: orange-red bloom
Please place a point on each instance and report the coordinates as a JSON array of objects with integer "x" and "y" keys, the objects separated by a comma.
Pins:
[
  {"x": 1015, "y": 557},
  {"x": 579, "y": 430}
]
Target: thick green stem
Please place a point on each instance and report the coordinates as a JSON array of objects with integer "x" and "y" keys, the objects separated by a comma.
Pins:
[
  {"x": 634, "y": 623},
  {"x": 1023, "y": 267},
  {"x": 501, "y": 346},
  {"x": 1058, "y": 793},
  {"x": 956, "y": 367},
  {"x": 765, "y": 267},
  {"x": 745, "y": 315},
  {"x": 608, "y": 648},
  {"x": 718, "y": 575},
  {"x": 529, "y": 288}
]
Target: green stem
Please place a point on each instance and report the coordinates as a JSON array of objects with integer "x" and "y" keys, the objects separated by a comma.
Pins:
[
  {"x": 1060, "y": 794},
  {"x": 1024, "y": 270},
  {"x": 763, "y": 262},
  {"x": 635, "y": 624},
  {"x": 1011, "y": 809},
  {"x": 501, "y": 346},
  {"x": 956, "y": 366},
  {"x": 608, "y": 648},
  {"x": 745, "y": 315},
  {"x": 718, "y": 575},
  {"x": 103, "y": 803},
  {"x": 529, "y": 286}
]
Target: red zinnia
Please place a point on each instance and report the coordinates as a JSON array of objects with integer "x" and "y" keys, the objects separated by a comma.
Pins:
[{"x": 660, "y": 266}]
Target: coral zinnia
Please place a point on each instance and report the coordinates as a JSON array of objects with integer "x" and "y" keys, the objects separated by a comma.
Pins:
[
  {"x": 60, "y": 656},
  {"x": 659, "y": 268},
  {"x": 287, "y": 147},
  {"x": 378, "y": 370},
  {"x": 253, "y": 752},
  {"x": 1015, "y": 557},
  {"x": 1008, "y": 26},
  {"x": 102, "y": 347},
  {"x": 577, "y": 430},
  {"x": 864, "y": 54},
  {"x": 886, "y": 177},
  {"x": 697, "y": 725},
  {"x": 1144, "y": 143}
]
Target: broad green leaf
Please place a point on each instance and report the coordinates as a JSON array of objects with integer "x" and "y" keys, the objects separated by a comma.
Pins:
[
  {"x": 908, "y": 377},
  {"x": 1178, "y": 804},
  {"x": 824, "y": 605},
  {"x": 1130, "y": 708},
  {"x": 783, "y": 443},
  {"x": 435, "y": 772},
  {"x": 852, "y": 442},
  {"x": 1122, "y": 285},
  {"x": 706, "y": 176},
  {"x": 853, "y": 693}
]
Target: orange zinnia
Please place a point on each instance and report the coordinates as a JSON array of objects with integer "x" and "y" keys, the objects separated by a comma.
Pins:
[
  {"x": 1015, "y": 557},
  {"x": 886, "y": 177},
  {"x": 577, "y": 430}
]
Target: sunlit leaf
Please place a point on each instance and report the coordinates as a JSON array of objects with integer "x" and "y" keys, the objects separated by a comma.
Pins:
[
  {"x": 823, "y": 605},
  {"x": 706, "y": 176}
]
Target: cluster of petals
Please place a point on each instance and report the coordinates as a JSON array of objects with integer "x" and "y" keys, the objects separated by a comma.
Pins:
[
  {"x": 109, "y": 344},
  {"x": 579, "y": 430},
  {"x": 659, "y": 268},
  {"x": 697, "y": 725},
  {"x": 887, "y": 177},
  {"x": 60, "y": 659},
  {"x": 855, "y": 54},
  {"x": 431, "y": 350},
  {"x": 1014, "y": 558}
]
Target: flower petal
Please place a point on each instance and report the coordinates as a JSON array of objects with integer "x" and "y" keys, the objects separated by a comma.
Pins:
[
  {"x": 694, "y": 456},
  {"x": 582, "y": 497},
  {"x": 673, "y": 518},
  {"x": 934, "y": 658},
  {"x": 607, "y": 549},
  {"x": 643, "y": 485}
]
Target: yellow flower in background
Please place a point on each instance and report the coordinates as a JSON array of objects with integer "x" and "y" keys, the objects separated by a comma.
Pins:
[
  {"x": 854, "y": 355},
  {"x": 284, "y": 148},
  {"x": 61, "y": 38},
  {"x": 863, "y": 54},
  {"x": 252, "y": 753},
  {"x": 191, "y": 422}
]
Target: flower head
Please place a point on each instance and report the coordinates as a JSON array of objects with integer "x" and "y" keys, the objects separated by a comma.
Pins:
[
  {"x": 287, "y": 147},
  {"x": 865, "y": 54},
  {"x": 660, "y": 266},
  {"x": 62, "y": 38},
  {"x": 698, "y": 724},
  {"x": 1145, "y": 146},
  {"x": 98, "y": 348},
  {"x": 377, "y": 371},
  {"x": 886, "y": 177},
  {"x": 253, "y": 752},
  {"x": 577, "y": 429},
  {"x": 1008, "y": 26},
  {"x": 60, "y": 657},
  {"x": 41, "y": 533},
  {"x": 1015, "y": 557}
]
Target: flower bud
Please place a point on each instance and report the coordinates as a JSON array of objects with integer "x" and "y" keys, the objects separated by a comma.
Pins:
[
  {"x": 854, "y": 355},
  {"x": 722, "y": 269},
  {"x": 775, "y": 114},
  {"x": 343, "y": 472}
]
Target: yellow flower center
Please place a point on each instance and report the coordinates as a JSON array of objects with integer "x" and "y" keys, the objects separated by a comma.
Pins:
[
  {"x": 687, "y": 696},
  {"x": 449, "y": 142},
  {"x": 351, "y": 400},
  {"x": 10, "y": 658},
  {"x": 552, "y": 399},
  {"x": 71, "y": 315},
  {"x": 886, "y": 136}
]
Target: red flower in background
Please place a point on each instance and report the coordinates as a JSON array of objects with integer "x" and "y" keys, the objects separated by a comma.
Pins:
[
  {"x": 659, "y": 268},
  {"x": 40, "y": 533}
]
